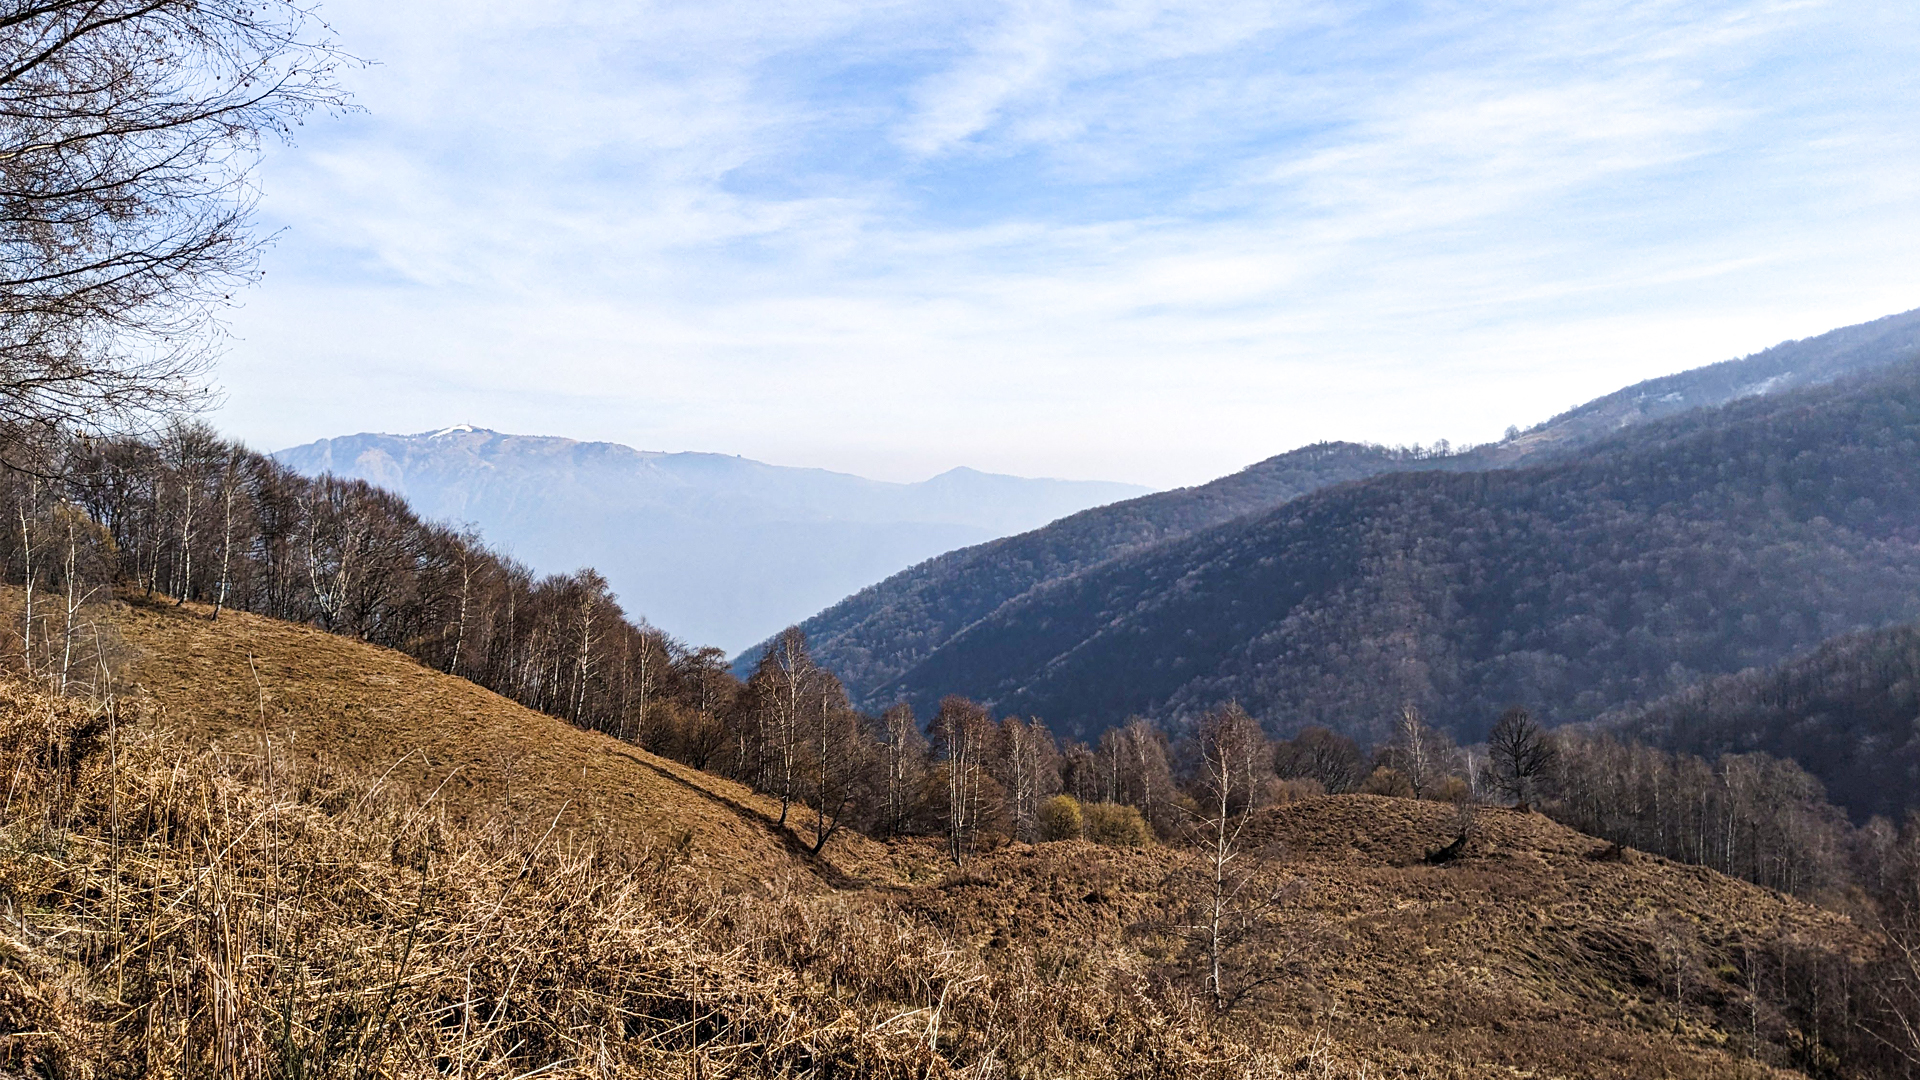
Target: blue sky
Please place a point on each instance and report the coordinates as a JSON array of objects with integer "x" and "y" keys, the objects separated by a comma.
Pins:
[{"x": 1137, "y": 241}]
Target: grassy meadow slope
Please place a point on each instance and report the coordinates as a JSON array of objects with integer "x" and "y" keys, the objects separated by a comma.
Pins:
[
  {"x": 1537, "y": 951},
  {"x": 387, "y": 900},
  {"x": 361, "y": 707}
]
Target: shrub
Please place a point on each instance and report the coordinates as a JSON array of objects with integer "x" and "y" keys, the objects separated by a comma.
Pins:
[
  {"x": 1116, "y": 826},
  {"x": 1387, "y": 781},
  {"x": 1060, "y": 818},
  {"x": 1276, "y": 791}
]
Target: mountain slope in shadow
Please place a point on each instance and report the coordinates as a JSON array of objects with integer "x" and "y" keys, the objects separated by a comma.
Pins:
[{"x": 875, "y": 638}]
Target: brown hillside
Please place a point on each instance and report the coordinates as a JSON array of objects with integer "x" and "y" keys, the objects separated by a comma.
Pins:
[
  {"x": 1528, "y": 956},
  {"x": 341, "y": 701},
  {"x": 1531, "y": 953}
]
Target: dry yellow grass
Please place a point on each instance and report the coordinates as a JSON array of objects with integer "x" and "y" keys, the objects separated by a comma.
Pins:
[
  {"x": 389, "y": 901},
  {"x": 332, "y": 699},
  {"x": 1529, "y": 953},
  {"x": 173, "y": 911}
]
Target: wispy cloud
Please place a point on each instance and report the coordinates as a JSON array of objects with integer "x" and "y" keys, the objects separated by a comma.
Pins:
[{"x": 1145, "y": 240}]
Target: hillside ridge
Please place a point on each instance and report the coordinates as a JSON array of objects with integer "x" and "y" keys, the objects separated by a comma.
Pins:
[
  {"x": 874, "y": 637},
  {"x": 359, "y": 706},
  {"x": 1436, "y": 587}
]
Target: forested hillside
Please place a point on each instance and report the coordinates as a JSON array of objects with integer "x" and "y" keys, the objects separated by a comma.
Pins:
[
  {"x": 875, "y": 637},
  {"x": 1699, "y": 545},
  {"x": 1849, "y": 712}
]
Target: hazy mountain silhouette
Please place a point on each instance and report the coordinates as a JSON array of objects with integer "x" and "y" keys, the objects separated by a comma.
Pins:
[{"x": 714, "y": 549}]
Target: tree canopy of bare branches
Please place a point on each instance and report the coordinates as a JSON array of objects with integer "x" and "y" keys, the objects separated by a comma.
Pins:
[
  {"x": 1520, "y": 755},
  {"x": 129, "y": 134}
]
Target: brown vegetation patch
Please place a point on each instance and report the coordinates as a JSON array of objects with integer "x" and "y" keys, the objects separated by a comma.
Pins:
[
  {"x": 172, "y": 910},
  {"x": 1525, "y": 952},
  {"x": 407, "y": 901},
  {"x": 360, "y": 707}
]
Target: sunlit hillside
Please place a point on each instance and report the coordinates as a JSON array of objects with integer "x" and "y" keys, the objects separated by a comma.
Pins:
[{"x": 425, "y": 879}]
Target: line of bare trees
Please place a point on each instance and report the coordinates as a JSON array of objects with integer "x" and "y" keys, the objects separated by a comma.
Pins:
[{"x": 190, "y": 516}]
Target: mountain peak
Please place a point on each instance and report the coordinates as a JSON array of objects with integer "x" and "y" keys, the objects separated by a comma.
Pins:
[
  {"x": 457, "y": 429},
  {"x": 718, "y": 548}
]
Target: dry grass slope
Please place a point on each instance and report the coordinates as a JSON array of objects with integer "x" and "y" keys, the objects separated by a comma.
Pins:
[
  {"x": 385, "y": 898},
  {"x": 1530, "y": 953},
  {"x": 360, "y": 707},
  {"x": 172, "y": 911}
]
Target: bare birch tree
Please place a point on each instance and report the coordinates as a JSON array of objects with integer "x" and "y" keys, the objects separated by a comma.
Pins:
[
  {"x": 963, "y": 735},
  {"x": 1231, "y": 761},
  {"x": 1028, "y": 765},
  {"x": 838, "y": 765},
  {"x": 903, "y": 767},
  {"x": 1416, "y": 751},
  {"x": 783, "y": 689}
]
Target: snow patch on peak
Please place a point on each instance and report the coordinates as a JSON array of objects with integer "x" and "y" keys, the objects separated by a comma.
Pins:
[{"x": 457, "y": 429}]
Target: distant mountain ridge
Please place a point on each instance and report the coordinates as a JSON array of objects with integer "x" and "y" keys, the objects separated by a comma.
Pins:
[
  {"x": 875, "y": 639},
  {"x": 715, "y": 549},
  {"x": 1687, "y": 547}
]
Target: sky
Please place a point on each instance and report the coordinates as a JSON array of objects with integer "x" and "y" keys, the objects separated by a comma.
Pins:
[{"x": 1149, "y": 242}]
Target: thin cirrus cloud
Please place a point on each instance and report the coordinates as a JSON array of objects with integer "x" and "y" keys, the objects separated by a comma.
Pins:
[{"x": 1139, "y": 241}]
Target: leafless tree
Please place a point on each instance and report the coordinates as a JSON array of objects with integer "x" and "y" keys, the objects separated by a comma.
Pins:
[
  {"x": 1520, "y": 755},
  {"x": 129, "y": 132},
  {"x": 707, "y": 690},
  {"x": 1133, "y": 761},
  {"x": 1329, "y": 758},
  {"x": 1230, "y": 762},
  {"x": 1028, "y": 767},
  {"x": 903, "y": 767},
  {"x": 81, "y": 536},
  {"x": 963, "y": 735},
  {"x": 229, "y": 495},
  {"x": 28, "y": 512},
  {"x": 838, "y": 761},
  {"x": 1080, "y": 773},
  {"x": 784, "y": 690},
  {"x": 1418, "y": 751},
  {"x": 1897, "y": 983}
]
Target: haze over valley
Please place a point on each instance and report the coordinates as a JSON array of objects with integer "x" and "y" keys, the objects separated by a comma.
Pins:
[{"x": 715, "y": 549}]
